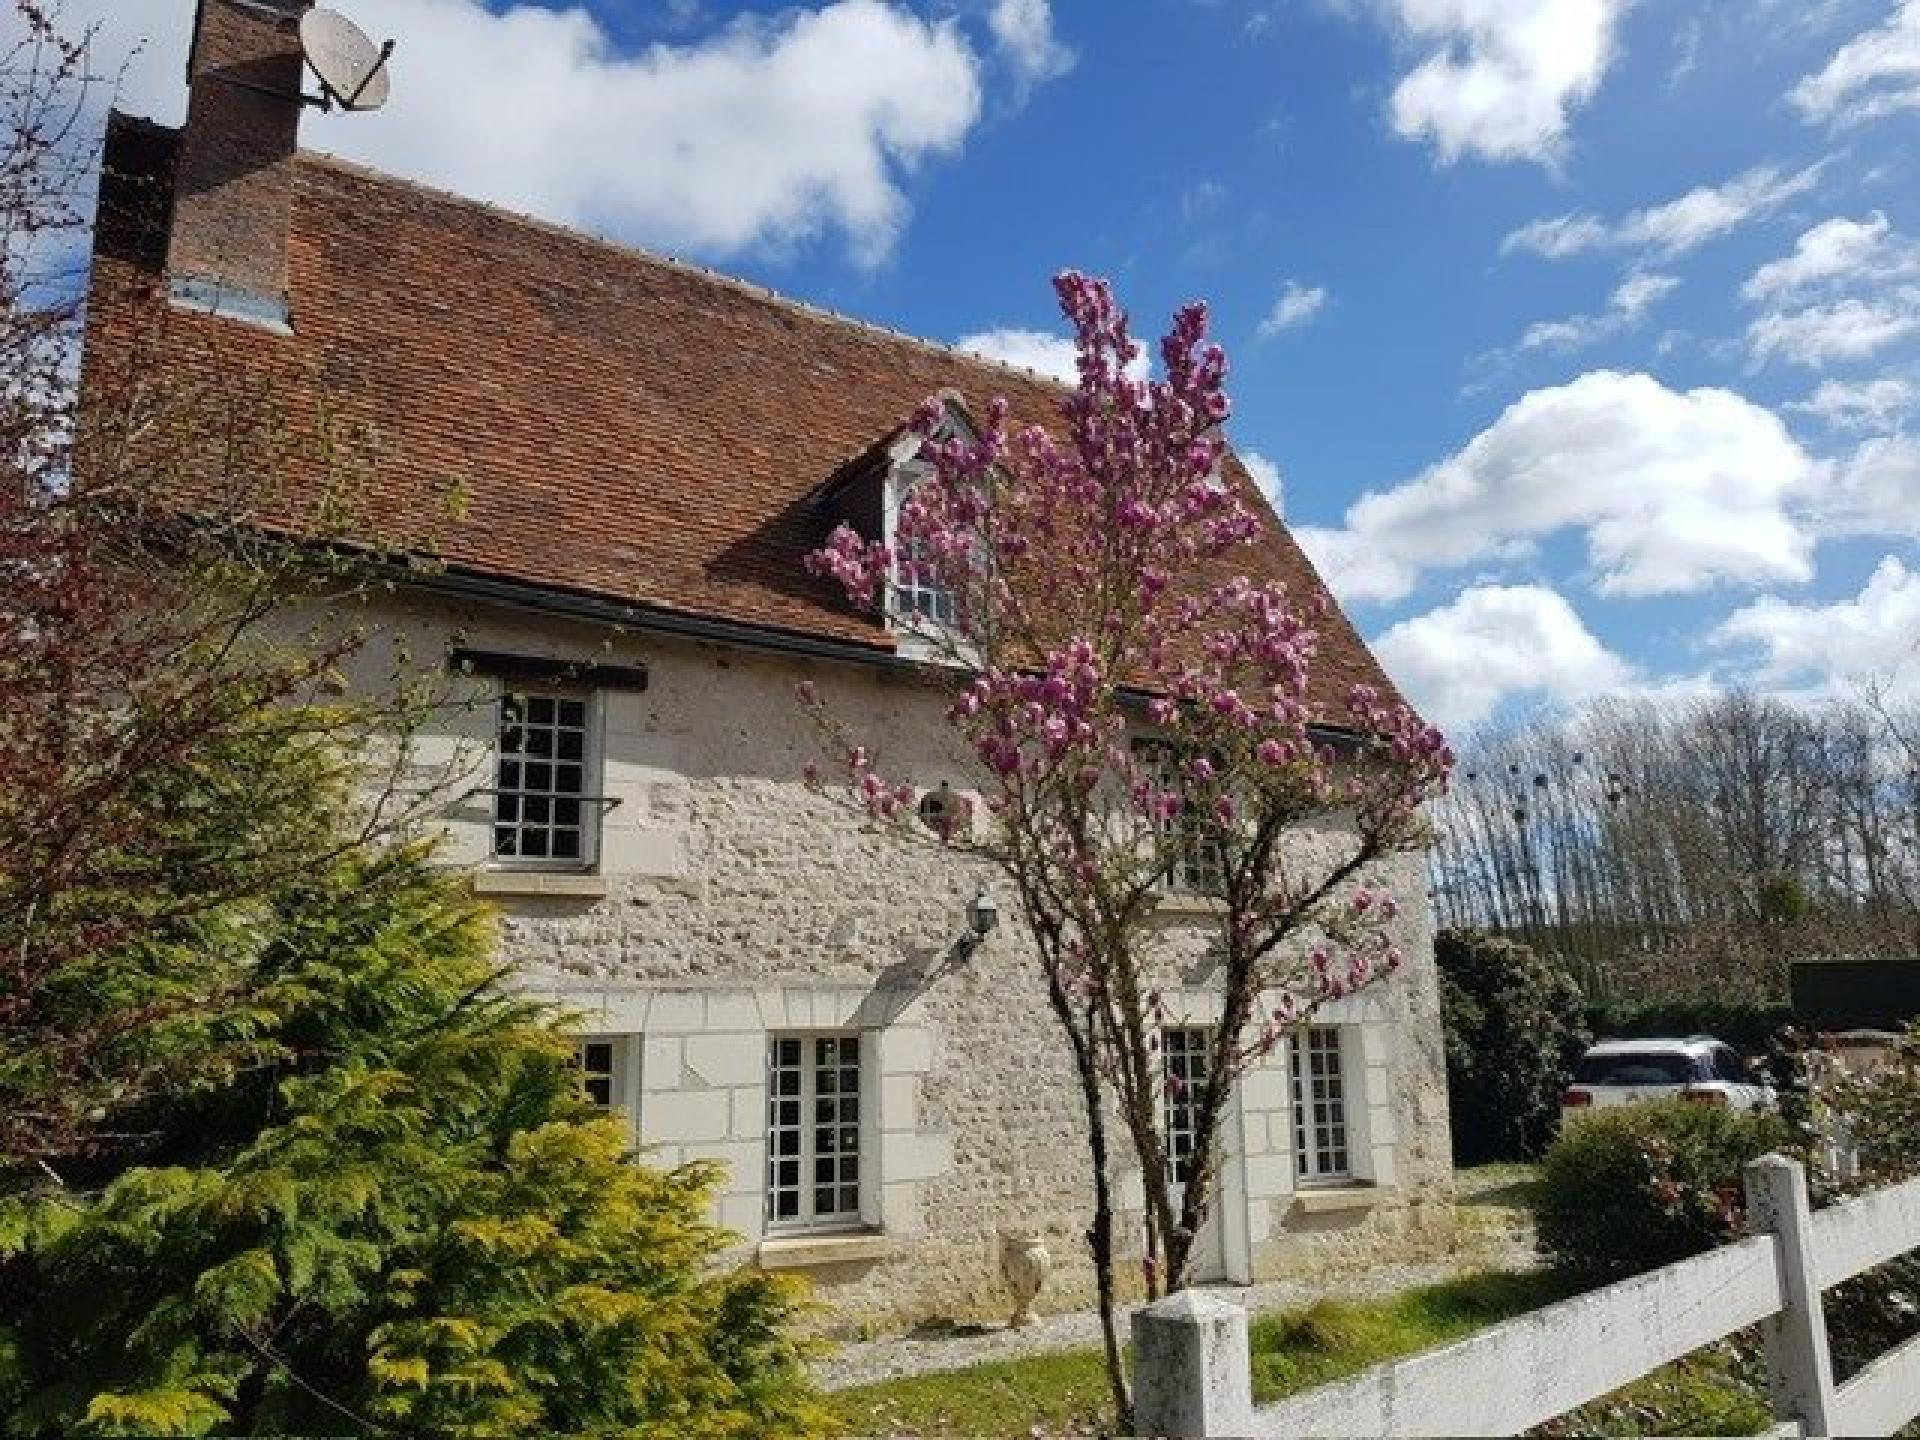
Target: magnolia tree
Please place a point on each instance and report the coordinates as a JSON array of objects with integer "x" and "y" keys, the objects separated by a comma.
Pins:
[{"x": 1144, "y": 718}]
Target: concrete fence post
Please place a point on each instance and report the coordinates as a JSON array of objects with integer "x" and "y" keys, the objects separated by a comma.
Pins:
[
  {"x": 1192, "y": 1374},
  {"x": 1799, "y": 1367}
]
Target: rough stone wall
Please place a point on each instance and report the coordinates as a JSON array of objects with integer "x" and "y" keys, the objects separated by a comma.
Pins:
[{"x": 731, "y": 902}]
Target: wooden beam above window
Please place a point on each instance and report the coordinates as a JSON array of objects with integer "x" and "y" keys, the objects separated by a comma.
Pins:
[{"x": 547, "y": 670}]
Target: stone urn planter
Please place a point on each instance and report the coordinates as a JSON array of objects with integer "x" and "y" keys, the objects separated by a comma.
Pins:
[{"x": 1024, "y": 1265}]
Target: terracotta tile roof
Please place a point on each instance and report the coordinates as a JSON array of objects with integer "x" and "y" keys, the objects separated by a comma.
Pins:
[{"x": 587, "y": 418}]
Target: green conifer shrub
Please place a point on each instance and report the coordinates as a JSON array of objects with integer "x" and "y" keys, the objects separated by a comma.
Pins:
[
  {"x": 407, "y": 1222},
  {"x": 1513, "y": 1031}
]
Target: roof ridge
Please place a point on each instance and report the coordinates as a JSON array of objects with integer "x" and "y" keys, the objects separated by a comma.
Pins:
[{"x": 690, "y": 268}]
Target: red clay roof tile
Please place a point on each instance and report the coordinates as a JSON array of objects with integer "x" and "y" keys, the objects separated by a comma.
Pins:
[{"x": 613, "y": 424}]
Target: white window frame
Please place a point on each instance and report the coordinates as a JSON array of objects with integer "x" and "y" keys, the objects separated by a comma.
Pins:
[
  {"x": 808, "y": 1217},
  {"x": 589, "y": 798},
  {"x": 1323, "y": 1105},
  {"x": 1185, "y": 1054},
  {"x": 620, "y": 1075},
  {"x": 1199, "y": 868},
  {"x": 905, "y": 611}
]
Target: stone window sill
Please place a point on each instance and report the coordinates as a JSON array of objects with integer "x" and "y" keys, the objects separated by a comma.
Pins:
[
  {"x": 794, "y": 1252},
  {"x": 1175, "y": 903},
  {"x": 1340, "y": 1197},
  {"x": 539, "y": 882}
]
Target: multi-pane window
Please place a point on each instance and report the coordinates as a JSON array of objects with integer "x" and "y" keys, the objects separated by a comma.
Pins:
[
  {"x": 1184, "y": 1077},
  {"x": 917, "y": 595},
  {"x": 1320, "y": 1150},
  {"x": 541, "y": 812},
  {"x": 813, "y": 1130},
  {"x": 598, "y": 1062},
  {"x": 1197, "y": 864}
]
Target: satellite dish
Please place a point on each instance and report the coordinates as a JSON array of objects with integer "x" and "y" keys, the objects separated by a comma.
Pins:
[{"x": 351, "y": 69}]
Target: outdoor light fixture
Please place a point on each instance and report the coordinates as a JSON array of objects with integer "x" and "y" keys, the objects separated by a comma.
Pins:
[{"x": 982, "y": 915}]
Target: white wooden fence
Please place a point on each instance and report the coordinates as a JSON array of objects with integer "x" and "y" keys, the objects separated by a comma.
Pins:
[{"x": 1192, "y": 1373}]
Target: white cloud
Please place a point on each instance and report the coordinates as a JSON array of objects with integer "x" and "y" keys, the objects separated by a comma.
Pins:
[
  {"x": 1850, "y": 288},
  {"x": 1039, "y": 350},
  {"x": 1501, "y": 77},
  {"x": 1632, "y": 300},
  {"x": 1710, "y": 211},
  {"x": 1824, "y": 648},
  {"x": 1877, "y": 73},
  {"x": 767, "y": 133},
  {"x": 1459, "y": 662},
  {"x": 1640, "y": 292},
  {"x": 1266, "y": 474},
  {"x": 1849, "y": 329},
  {"x": 1860, "y": 405},
  {"x": 1686, "y": 52},
  {"x": 1673, "y": 492},
  {"x": 1837, "y": 249},
  {"x": 1023, "y": 30},
  {"x": 1560, "y": 236},
  {"x": 1846, "y": 329},
  {"x": 1671, "y": 229},
  {"x": 1875, "y": 490},
  {"x": 1297, "y": 306},
  {"x": 1051, "y": 355}
]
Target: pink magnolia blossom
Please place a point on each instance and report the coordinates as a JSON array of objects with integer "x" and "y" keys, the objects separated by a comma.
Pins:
[{"x": 1105, "y": 593}]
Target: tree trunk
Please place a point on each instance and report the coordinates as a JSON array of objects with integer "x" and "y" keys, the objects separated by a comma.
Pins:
[
  {"x": 1100, "y": 1232},
  {"x": 1100, "y": 1242}
]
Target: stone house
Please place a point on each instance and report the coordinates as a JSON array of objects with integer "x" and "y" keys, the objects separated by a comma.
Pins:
[{"x": 624, "y": 460}]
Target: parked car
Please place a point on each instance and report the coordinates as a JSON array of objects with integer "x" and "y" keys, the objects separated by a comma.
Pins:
[{"x": 1699, "y": 1068}]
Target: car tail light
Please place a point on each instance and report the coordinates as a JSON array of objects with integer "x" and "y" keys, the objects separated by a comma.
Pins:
[
  {"x": 1574, "y": 1099},
  {"x": 1705, "y": 1097}
]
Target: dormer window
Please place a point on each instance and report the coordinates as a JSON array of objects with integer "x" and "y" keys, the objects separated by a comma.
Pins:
[
  {"x": 867, "y": 495},
  {"x": 916, "y": 600}
]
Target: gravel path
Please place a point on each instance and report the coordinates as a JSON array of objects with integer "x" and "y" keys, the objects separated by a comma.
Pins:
[{"x": 867, "y": 1361}]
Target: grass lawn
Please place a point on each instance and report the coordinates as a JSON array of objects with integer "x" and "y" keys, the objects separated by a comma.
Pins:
[
  {"x": 1295, "y": 1350},
  {"x": 1066, "y": 1393},
  {"x": 1720, "y": 1390},
  {"x": 1059, "y": 1394},
  {"x": 1494, "y": 1210}
]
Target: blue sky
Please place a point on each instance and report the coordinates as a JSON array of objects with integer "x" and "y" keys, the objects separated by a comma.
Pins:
[{"x": 1584, "y": 333}]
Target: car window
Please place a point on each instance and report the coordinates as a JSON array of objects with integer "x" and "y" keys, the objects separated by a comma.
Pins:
[
  {"x": 1729, "y": 1067},
  {"x": 1637, "y": 1067}
]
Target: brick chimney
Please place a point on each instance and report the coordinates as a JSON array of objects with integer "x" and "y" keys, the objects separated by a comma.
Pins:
[{"x": 233, "y": 189}]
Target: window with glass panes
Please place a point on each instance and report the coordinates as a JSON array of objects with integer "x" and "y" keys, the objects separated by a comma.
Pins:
[
  {"x": 1184, "y": 1075},
  {"x": 540, "y": 808},
  {"x": 916, "y": 594},
  {"x": 598, "y": 1062},
  {"x": 813, "y": 1130},
  {"x": 1196, "y": 867},
  {"x": 1320, "y": 1149}
]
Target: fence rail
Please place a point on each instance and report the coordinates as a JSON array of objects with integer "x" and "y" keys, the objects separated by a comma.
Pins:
[{"x": 1193, "y": 1376}]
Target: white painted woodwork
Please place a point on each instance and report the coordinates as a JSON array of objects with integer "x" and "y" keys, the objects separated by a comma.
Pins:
[
  {"x": 1541, "y": 1365},
  {"x": 1193, "y": 1363}
]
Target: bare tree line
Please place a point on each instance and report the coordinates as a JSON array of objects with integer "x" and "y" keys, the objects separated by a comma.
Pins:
[{"x": 1696, "y": 848}]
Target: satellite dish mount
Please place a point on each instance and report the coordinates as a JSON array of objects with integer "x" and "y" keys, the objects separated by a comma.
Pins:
[{"x": 351, "y": 69}]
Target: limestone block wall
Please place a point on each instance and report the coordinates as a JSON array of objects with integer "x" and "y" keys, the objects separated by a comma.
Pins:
[{"x": 730, "y": 904}]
